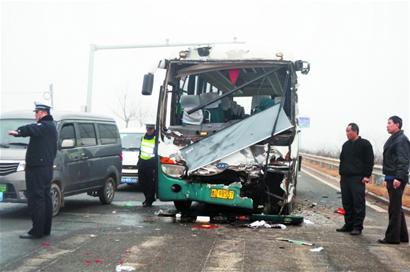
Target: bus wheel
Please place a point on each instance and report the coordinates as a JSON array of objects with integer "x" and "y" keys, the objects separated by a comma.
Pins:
[{"x": 183, "y": 205}]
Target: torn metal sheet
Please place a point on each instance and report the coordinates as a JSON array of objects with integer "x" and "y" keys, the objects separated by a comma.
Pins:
[{"x": 239, "y": 136}]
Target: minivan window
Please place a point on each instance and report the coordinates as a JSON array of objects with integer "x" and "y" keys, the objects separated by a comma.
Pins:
[
  {"x": 67, "y": 132},
  {"x": 87, "y": 134},
  {"x": 108, "y": 134}
]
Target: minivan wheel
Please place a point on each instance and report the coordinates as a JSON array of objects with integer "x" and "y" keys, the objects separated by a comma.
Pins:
[
  {"x": 56, "y": 198},
  {"x": 106, "y": 193},
  {"x": 183, "y": 205}
]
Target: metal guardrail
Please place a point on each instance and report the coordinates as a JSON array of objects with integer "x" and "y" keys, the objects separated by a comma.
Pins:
[{"x": 378, "y": 177}]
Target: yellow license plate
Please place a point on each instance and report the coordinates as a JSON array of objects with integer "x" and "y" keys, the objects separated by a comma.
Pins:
[{"x": 222, "y": 193}]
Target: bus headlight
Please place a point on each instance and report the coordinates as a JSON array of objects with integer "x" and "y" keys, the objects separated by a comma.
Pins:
[{"x": 173, "y": 170}]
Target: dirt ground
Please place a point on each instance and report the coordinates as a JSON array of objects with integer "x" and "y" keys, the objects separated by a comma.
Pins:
[{"x": 371, "y": 187}]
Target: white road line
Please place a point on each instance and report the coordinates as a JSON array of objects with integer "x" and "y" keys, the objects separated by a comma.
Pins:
[{"x": 374, "y": 207}]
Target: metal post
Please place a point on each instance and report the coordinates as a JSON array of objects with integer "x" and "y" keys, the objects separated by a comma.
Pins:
[
  {"x": 51, "y": 95},
  {"x": 90, "y": 77},
  {"x": 94, "y": 48}
]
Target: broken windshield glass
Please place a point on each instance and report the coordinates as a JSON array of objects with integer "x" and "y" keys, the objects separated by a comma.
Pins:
[{"x": 240, "y": 135}]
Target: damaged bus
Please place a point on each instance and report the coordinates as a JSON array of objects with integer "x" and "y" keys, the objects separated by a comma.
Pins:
[{"x": 227, "y": 130}]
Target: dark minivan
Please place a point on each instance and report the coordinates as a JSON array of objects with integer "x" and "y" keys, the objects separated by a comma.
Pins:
[{"x": 88, "y": 159}]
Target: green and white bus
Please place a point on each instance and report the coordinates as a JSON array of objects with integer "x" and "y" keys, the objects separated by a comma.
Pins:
[{"x": 227, "y": 129}]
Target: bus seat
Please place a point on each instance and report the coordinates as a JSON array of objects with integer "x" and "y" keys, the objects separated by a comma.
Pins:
[
  {"x": 213, "y": 112},
  {"x": 189, "y": 102}
]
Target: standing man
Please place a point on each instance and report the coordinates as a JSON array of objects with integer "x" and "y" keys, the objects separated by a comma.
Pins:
[
  {"x": 40, "y": 155},
  {"x": 396, "y": 164},
  {"x": 147, "y": 165},
  {"x": 356, "y": 166}
]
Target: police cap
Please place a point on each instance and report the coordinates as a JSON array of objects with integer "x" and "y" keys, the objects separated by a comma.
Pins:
[
  {"x": 150, "y": 126},
  {"x": 41, "y": 106}
]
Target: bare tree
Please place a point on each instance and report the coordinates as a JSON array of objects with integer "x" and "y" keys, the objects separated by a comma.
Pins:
[{"x": 127, "y": 111}]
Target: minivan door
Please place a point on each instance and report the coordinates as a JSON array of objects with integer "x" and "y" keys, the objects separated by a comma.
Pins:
[
  {"x": 87, "y": 140},
  {"x": 74, "y": 166}
]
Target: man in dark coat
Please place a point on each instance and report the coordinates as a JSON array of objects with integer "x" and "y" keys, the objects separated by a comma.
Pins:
[
  {"x": 396, "y": 162},
  {"x": 356, "y": 166},
  {"x": 40, "y": 155}
]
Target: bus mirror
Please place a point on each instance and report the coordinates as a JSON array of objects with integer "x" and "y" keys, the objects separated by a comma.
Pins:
[{"x": 148, "y": 84}]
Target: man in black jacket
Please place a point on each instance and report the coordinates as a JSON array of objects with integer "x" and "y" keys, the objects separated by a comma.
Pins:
[
  {"x": 356, "y": 166},
  {"x": 41, "y": 151},
  {"x": 396, "y": 164}
]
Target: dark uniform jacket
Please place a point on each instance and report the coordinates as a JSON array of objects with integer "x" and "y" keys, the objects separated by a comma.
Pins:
[
  {"x": 396, "y": 154},
  {"x": 356, "y": 158},
  {"x": 42, "y": 147}
]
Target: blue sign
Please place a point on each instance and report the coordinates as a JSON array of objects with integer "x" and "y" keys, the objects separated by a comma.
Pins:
[{"x": 222, "y": 165}]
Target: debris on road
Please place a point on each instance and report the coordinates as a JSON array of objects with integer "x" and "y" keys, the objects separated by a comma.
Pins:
[
  {"x": 259, "y": 224},
  {"x": 45, "y": 244},
  {"x": 168, "y": 213},
  {"x": 340, "y": 211},
  {"x": 317, "y": 249},
  {"x": 124, "y": 268},
  {"x": 297, "y": 242},
  {"x": 203, "y": 219},
  {"x": 308, "y": 222},
  {"x": 205, "y": 226}
]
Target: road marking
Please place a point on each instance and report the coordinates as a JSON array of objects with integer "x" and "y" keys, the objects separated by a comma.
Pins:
[{"x": 374, "y": 207}]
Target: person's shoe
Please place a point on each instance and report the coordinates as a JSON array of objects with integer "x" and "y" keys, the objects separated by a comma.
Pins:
[
  {"x": 29, "y": 236},
  {"x": 356, "y": 232},
  {"x": 384, "y": 241},
  {"x": 344, "y": 229}
]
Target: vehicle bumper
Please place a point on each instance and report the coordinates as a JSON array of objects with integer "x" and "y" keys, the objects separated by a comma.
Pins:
[
  {"x": 202, "y": 192},
  {"x": 13, "y": 188}
]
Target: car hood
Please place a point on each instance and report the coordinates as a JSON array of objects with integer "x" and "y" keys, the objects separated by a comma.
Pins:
[{"x": 12, "y": 154}]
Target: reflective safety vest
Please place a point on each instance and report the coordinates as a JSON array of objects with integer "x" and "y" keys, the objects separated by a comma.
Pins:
[{"x": 147, "y": 148}]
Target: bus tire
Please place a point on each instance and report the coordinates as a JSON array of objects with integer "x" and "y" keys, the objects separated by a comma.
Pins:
[{"x": 182, "y": 205}]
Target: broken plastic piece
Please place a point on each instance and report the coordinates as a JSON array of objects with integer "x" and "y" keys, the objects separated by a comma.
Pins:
[
  {"x": 203, "y": 219},
  {"x": 278, "y": 226},
  {"x": 205, "y": 226},
  {"x": 124, "y": 268},
  {"x": 317, "y": 249},
  {"x": 340, "y": 211},
  {"x": 308, "y": 222},
  {"x": 297, "y": 242},
  {"x": 259, "y": 224}
]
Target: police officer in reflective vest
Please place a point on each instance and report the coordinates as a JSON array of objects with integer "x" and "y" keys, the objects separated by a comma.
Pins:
[
  {"x": 147, "y": 165},
  {"x": 41, "y": 151}
]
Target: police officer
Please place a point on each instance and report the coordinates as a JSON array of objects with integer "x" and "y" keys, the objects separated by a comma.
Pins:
[
  {"x": 396, "y": 162},
  {"x": 40, "y": 155},
  {"x": 147, "y": 165},
  {"x": 356, "y": 166}
]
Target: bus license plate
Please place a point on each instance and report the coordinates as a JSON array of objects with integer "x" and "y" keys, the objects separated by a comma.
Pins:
[
  {"x": 222, "y": 193},
  {"x": 128, "y": 180}
]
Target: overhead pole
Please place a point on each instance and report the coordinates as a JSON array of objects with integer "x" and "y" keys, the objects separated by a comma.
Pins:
[{"x": 94, "y": 48}]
